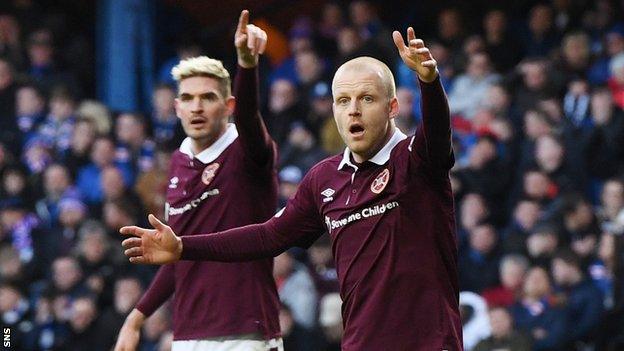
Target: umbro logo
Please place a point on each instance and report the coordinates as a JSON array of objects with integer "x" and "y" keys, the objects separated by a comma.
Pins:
[{"x": 328, "y": 194}]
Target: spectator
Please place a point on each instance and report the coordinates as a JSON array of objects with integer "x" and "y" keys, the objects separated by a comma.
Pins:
[
  {"x": 473, "y": 210},
  {"x": 604, "y": 145},
  {"x": 512, "y": 271},
  {"x": 9, "y": 132},
  {"x": 478, "y": 264},
  {"x": 56, "y": 185},
  {"x": 330, "y": 320},
  {"x": 469, "y": 89},
  {"x": 88, "y": 181},
  {"x": 295, "y": 336},
  {"x": 540, "y": 38},
  {"x": 151, "y": 185},
  {"x": 296, "y": 289},
  {"x": 30, "y": 106},
  {"x": 99, "y": 261},
  {"x": 525, "y": 216},
  {"x": 611, "y": 205},
  {"x": 537, "y": 315},
  {"x": 15, "y": 313},
  {"x": 616, "y": 79},
  {"x": 10, "y": 43},
  {"x": 542, "y": 244},
  {"x": 503, "y": 337},
  {"x": 301, "y": 149},
  {"x": 164, "y": 120},
  {"x": 21, "y": 229},
  {"x": 289, "y": 177},
  {"x": 83, "y": 326},
  {"x": 128, "y": 290},
  {"x": 583, "y": 300},
  {"x": 77, "y": 156},
  {"x": 499, "y": 41},
  {"x": 283, "y": 109},
  {"x": 56, "y": 129},
  {"x": 475, "y": 320},
  {"x": 133, "y": 148},
  {"x": 576, "y": 55},
  {"x": 322, "y": 266},
  {"x": 155, "y": 329}
]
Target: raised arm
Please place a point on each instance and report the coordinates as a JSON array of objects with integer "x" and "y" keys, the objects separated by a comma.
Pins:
[
  {"x": 298, "y": 223},
  {"x": 250, "y": 42},
  {"x": 433, "y": 140}
]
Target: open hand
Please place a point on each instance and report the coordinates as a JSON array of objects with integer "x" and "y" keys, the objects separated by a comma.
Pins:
[
  {"x": 416, "y": 56},
  {"x": 152, "y": 246}
]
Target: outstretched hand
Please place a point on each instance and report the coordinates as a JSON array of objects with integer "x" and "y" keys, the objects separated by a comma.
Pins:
[
  {"x": 250, "y": 41},
  {"x": 416, "y": 56},
  {"x": 152, "y": 246}
]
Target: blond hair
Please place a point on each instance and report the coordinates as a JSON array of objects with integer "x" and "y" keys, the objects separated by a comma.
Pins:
[
  {"x": 370, "y": 63},
  {"x": 203, "y": 66}
]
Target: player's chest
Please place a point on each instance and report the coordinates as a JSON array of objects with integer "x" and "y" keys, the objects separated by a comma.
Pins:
[
  {"x": 193, "y": 182},
  {"x": 357, "y": 196}
]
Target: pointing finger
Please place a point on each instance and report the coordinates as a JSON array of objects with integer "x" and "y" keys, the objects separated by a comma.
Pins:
[
  {"x": 243, "y": 20},
  {"x": 398, "y": 41}
]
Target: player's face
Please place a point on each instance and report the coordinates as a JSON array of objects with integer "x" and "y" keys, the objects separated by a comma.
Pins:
[
  {"x": 363, "y": 110},
  {"x": 203, "y": 109}
]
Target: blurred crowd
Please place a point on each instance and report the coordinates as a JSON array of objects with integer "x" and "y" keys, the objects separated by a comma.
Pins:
[{"x": 537, "y": 103}]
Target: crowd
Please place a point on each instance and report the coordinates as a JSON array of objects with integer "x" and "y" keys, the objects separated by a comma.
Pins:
[{"x": 537, "y": 103}]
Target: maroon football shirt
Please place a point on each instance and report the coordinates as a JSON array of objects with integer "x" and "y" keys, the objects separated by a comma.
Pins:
[
  {"x": 231, "y": 183},
  {"x": 391, "y": 221}
]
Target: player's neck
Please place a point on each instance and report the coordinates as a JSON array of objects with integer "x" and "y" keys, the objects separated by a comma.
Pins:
[
  {"x": 363, "y": 157},
  {"x": 200, "y": 144}
]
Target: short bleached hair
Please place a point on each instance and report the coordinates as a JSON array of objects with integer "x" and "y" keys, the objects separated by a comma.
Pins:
[
  {"x": 203, "y": 66},
  {"x": 369, "y": 63}
]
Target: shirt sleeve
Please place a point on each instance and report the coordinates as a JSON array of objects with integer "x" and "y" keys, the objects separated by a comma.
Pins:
[
  {"x": 298, "y": 222},
  {"x": 161, "y": 288},
  {"x": 257, "y": 144},
  {"x": 432, "y": 141}
]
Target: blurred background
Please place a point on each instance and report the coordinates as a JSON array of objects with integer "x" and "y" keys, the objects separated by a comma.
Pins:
[{"x": 536, "y": 91}]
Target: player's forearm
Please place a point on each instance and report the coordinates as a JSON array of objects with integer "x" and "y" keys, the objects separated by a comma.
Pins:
[
  {"x": 134, "y": 320},
  {"x": 436, "y": 119},
  {"x": 251, "y": 129},
  {"x": 160, "y": 289},
  {"x": 240, "y": 244}
]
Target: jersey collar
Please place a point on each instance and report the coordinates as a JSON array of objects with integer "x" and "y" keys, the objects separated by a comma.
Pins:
[
  {"x": 213, "y": 151},
  {"x": 381, "y": 157}
]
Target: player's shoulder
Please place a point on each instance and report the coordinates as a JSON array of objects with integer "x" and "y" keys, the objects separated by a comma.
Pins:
[
  {"x": 178, "y": 158},
  {"x": 326, "y": 166}
]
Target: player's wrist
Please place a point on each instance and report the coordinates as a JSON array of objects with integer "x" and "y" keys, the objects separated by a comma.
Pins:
[
  {"x": 134, "y": 320},
  {"x": 179, "y": 248},
  {"x": 247, "y": 61},
  {"x": 430, "y": 77}
]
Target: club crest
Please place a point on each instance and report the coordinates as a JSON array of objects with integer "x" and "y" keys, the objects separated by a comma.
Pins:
[
  {"x": 380, "y": 182},
  {"x": 209, "y": 173}
]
